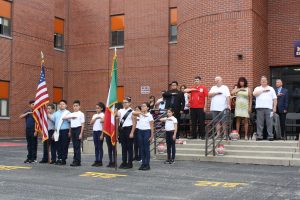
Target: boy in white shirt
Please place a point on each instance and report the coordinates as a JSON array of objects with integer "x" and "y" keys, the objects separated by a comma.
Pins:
[
  {"x": 77, "y": 126},
  {"x": 171, "y": 130}
]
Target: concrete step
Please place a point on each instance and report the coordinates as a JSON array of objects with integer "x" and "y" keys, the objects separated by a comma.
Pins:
[
  {"x": 248, "y": 142},
  {"x": 237, "y": 159},
  {"x": 243, "y": 153},
  {"x": 243, "y": 147}
]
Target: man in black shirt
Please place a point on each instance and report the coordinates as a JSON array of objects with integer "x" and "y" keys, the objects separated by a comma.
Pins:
[{"x": 175, "y": 99}]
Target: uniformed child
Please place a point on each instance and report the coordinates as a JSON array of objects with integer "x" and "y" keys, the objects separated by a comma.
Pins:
[
  {"x": 62, "y": 131},
  {"x": 171, "y": 130},
  {"x": 31, "y": 134},
  {"x": 49, "y": 143},
  {"x": 126, "y": 134},
  {"x": 77, "y": 126},
  {"x": 145, "y": 135},
  {"x": 97, "y": 122}
]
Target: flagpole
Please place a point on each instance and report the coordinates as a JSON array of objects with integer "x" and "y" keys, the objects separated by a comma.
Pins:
[{"x": 116, "y": 149}]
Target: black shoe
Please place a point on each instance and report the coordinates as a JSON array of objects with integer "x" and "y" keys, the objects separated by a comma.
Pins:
[
  {"x": 167, "y": 162},
  {"x": 95, "y": 164},
  {"x": 100, "y": 164},
  {"x": 75, "y": 164},
  {"x": 172, "y": 161},
  {"x": 58, "y": 162},
  {"x": 142, "y": 167},
  {"x": 146, "y": 168},
  {"x": 123, "y": 165},
  {"x": 43, "y": 161},
  {"x": 63, "y": 162},
  {"x": 52, "y": 162},
  {"x": 271, "y": 139},
  {"x": 27, "y": 161},
  {"x": 259, "y": 139},
  {"x": 128, "y": 166},
  {"x": 111, "y": 165}
]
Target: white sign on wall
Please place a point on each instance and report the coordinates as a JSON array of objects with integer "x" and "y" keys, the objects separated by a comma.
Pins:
[{"x": 145, "y": 89}]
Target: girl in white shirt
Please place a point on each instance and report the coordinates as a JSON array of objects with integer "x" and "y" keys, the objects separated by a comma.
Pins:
[
  {"x": 135, "y": 127},
  {"x": 171, "y": 130},
  {"x": 145, "y": 135},
  {"x": 97, "y": 122}
]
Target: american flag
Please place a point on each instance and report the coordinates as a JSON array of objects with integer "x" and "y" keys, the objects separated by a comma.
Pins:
[{"x": 40, "y": 105}]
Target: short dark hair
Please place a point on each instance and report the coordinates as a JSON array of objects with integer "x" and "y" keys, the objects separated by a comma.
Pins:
[
  {"x": 64, "y": 101},
  {"x": 76, "y": 102},
  {"x": 147, "y": 104},
  {"x": 128, "y": 99},
  {"x": 101, "y": 105},
  {"x": 197, "y": 77},
  {"x": 171, "y": 109},
  {"x": 242, "y": 79},
  {"x": 31, "y": 101},
  {"x": 51, "y": 105},
  {"x": 174, "y": 82},
  {"x": 183, "y": 86}
]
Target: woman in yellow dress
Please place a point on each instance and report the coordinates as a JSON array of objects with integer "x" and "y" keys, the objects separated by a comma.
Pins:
[{"x": 243, "y": 104}]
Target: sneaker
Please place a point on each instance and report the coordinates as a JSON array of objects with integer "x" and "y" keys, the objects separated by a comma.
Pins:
[
  {"x": 172, "y": 161},
  {"x": 167, "y": 162},
  {"x": 95, "y": 164},
  {"x": 27, "y": 161},
  {"x": 111, "y": 165},
  {"x": 58, "y": 162},
  {"x": 123, "y": 165},
  {"x": 43, "y": 161},
  {"x": 100, "y": 164},
  {"x": 34, "y": 161},
  {"x": 271, "y": 139}
]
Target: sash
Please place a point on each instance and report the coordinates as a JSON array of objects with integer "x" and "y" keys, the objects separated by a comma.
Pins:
[{"x": 56, "y": 133}]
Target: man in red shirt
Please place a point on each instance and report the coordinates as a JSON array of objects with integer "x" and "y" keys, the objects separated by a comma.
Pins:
[{"x": 198, "y": 104}]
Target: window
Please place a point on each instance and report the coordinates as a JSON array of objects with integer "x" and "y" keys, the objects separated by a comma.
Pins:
[
  {"x": 57, "y": 95},
  {"x": 4, "y": 96},
  {"x": 117, "y": 31},
  {"x": 58, "y": 33},
  {"x": 173, "y": 25},
  {"x": 5, "y": 18}
]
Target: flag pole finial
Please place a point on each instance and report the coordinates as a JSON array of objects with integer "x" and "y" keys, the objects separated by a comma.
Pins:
[
  {"x": 115, "y": 50},
  {"x": 42, "y": 55}
]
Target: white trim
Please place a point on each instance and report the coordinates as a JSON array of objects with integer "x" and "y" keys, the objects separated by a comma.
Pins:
[
  {"x": 173, "y": 42},
  {"x": 116, "y": 47},
  {"x": 5, "y": 118},
  {"x": 61, "y": 50},
  {"x": 5, "y": 36}
]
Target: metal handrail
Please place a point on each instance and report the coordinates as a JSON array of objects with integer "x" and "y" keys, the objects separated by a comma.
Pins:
[
  {"x": 212, "y": 138},
  {"x": 158, "y": 132}
]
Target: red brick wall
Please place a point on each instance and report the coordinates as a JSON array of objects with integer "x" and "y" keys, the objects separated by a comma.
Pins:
[{"x": 284, "y": 30}]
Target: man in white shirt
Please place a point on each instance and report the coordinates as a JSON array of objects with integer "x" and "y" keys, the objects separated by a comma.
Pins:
[
  {"x": 77, "y": 126},
  {"x": 265, "y": 104},
  {"x": 220, "y": 100}
]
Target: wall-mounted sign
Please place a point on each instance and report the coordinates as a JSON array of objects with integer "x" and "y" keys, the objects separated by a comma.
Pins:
[
  {"x": 297, "y": 49},
  {"x": 145, "y": 89}
]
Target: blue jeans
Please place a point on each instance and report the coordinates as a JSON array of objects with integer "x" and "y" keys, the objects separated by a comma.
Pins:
[
  {"x": 98, "y": 146},
  {"x": 144, "y": 136}
]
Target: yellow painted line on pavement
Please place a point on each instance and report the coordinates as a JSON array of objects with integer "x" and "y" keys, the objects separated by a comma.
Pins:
[
  {"x": 8, "y": 168},
  {"x": 101, "y": 175},
  {"x": 219, "y": 184}
]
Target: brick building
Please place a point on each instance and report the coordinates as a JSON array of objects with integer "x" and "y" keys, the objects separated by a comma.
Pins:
[{"x": 157, "y": 41}]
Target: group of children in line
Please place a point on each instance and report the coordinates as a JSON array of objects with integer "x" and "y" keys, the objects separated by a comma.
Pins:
[{"x": 135, "y": 134}]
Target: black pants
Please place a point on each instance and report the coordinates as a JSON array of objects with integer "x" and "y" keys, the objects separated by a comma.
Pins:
[
  {"x": 198, "y": 120},
  {"x": 63, "y": 144},
  {"x": 50, "y": 142},
  {"x": 111, "y": 149},
  {"x": 184, "y": 122},
  {"x": 177, "y": 116},
  {"x": 282, "y": 117},
  {"x": 75, "y": 132},
  {"x": 127, "y": 144},
  {"x": 170, "y": 145},
  {"x": 32, "y": 143},
  {"x": 136, "y": 146}
]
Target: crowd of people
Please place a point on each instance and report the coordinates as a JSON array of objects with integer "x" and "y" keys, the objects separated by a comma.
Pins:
[{"x": 136, "y": 126}]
